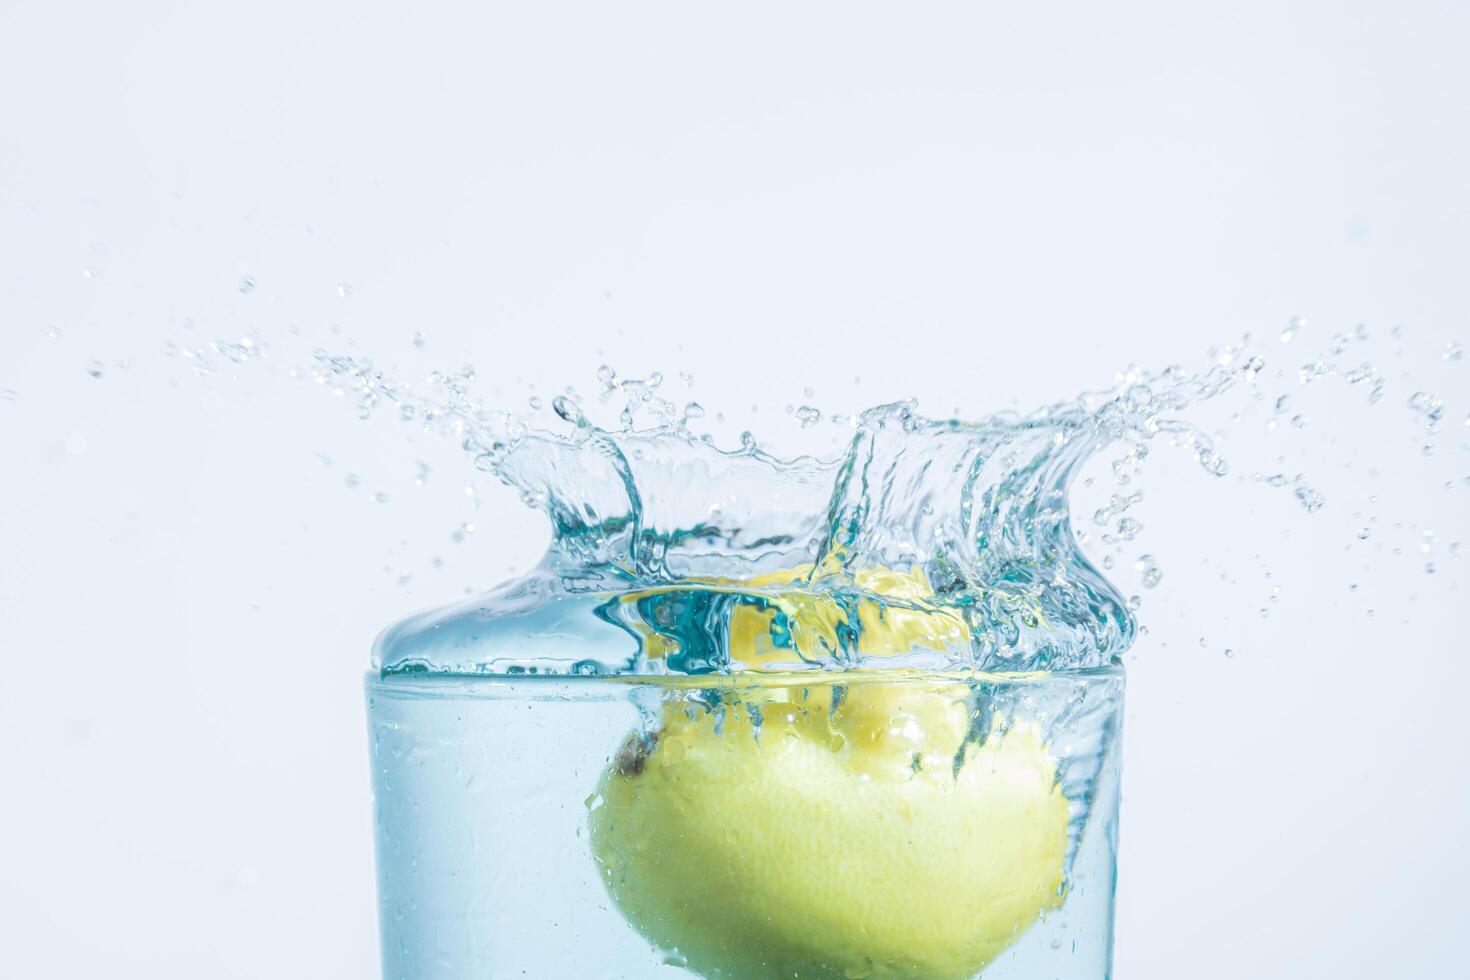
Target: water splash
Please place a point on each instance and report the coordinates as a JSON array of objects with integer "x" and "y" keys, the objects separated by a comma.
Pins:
[{"x": 927, "y": 543}]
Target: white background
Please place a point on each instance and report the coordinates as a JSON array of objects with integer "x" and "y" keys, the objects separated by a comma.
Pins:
[{"x": 978, "y": 205}]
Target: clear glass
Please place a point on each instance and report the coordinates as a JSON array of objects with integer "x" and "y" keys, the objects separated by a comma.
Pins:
[{"x": 895, "y": 825}]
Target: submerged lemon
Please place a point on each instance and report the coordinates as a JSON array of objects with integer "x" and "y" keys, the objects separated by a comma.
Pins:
[{"x": 832, "y": 831}]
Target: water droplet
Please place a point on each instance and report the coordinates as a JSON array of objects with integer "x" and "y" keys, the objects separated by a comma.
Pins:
[
  {"x": 808, "y": 391},
  {"x": 8, "y": 395},
  {"x": 351, "y": 480},
  {"x": 1364, "y": 533},
  {"x": 53, "y": 332},
  {"x": 344, "y": 290},
  {"x": 246, "y": 285},
  {"x": 380, "y": 497},
  {"x": 419, "y": 340},
  {"x": 1128, "y": 528},
  {"x": 808, "y": 416},
  {"x": 1453, "y": 351},
  {"x": 1309, "y": 498},
  {"x": 1149, "y": 572},
  {"x": 747, "y": 441},
  {"x": 567, "y": 410},
  {"x": 1427, "y": 406},
  {"x": 1135, "y": 601},
  {"x": 1429, "y": 568},
  {"x": 693, "y": 410},
  {"x": 1299, "y": 421},
  {"x": 1229, "y": 652},
  {"x": 96, "y": 369},
  {"x": 1283, "y": 403},
  {"x": 422, "y": 475},
  {"x": 1292, "y": 326},
  {"x": 535, "y": 401}
]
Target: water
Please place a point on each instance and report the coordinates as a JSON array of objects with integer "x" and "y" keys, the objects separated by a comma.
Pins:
[
  {"x": 854, "y": 716},
  {"x": 505, "y": 848}
]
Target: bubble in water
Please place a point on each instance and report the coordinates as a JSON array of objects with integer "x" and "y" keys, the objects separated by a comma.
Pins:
[
  {"x": 1149, "y": 572},
  {"x": 246, "y": 285},
  {"x": 1292, "y": 326}
]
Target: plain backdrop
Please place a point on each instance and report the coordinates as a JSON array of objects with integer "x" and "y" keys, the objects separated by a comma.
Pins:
[{"x": 981, "y": 205}]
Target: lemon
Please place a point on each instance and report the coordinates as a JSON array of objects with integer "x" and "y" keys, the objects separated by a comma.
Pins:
[{"x": 842, "y": 831}]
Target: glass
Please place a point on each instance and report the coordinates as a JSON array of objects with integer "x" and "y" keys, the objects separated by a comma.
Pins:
[{"x": 891, "y": 825}]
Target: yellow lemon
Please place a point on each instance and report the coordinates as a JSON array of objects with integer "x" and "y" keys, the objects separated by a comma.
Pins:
[{"x": 843, "y": 831}]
